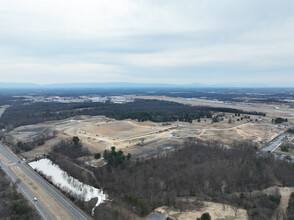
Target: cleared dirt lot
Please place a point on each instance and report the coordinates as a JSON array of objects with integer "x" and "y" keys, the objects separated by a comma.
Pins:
[
  {"x": 258, "y": 133},
  {"x": 216, "y": 211},
  {"x": 96, "y": 133},
  {"x": 145, "y": 138},
  {"x": 53, "y": 207}
]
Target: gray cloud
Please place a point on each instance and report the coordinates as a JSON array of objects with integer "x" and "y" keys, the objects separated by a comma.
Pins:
[{"x": 146, "y": 41}]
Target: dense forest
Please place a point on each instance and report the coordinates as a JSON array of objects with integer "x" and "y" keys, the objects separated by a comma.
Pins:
[
  {"x": 69, "y": 148},
  {"x": 12, "y": 204},
  {"x": 6, "y": 99},
  {"x": 290, "y": 209},
  {"x": 264, "y": 95},
  {"x": 142, "y": 110},
  {"x": 205, "y": 170}
]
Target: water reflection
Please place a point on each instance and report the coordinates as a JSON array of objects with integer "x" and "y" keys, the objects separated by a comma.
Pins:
[{"x": 67, "y": 183}]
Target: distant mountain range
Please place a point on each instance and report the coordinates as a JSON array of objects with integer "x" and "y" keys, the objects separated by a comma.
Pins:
[{"x": 126, "y": 85}]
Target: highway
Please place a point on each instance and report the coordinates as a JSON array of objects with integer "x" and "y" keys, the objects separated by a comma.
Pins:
[
  {"x": 25, "y": 191},
  {"x": 63, "y": 202},
  {"x": 274, "y": 144}
]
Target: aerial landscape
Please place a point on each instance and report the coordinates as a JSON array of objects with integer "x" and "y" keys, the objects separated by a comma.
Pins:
[{"x": 147, "y": 110}]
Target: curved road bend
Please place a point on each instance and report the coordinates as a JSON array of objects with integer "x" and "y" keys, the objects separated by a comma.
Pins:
[{"x": 66, "y": 204}]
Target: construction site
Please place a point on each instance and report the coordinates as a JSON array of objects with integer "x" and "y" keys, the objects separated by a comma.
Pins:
[{"x": 143, "y": 139}]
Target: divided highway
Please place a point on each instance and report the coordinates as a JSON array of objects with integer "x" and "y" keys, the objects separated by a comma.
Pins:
[
  {"x": 274, "y": 144},
  {"x": 50, "y": 189},
  {"x": 24, "y": 190}
]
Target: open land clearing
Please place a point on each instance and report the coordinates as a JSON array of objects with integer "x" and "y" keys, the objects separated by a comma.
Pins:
[
  {"x": 227, "y": 212},
  {"x": 216, "y": 211},
  {"x": 143, "y": 138}
]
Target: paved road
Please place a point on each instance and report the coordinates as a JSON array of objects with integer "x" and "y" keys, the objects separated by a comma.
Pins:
[
  {"x": 274, "y": 144},
  {"x": 25, "y": 191},
  {"x": 66, "y": 204}
]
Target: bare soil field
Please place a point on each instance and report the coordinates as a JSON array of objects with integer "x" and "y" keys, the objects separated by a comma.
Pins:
[
  {"x": 258, "y": 133},
  {"x": 144, "y": 138},
  {"x": 216, "y": 211},
  {"x": 147, "y": 138},
  {"x": 50, "y": 204}
]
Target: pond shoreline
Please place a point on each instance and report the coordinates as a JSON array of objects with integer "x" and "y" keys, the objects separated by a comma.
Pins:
[{"x": 68, "y": 184}]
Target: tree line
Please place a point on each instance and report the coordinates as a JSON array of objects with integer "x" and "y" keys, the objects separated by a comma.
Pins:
[{"x": 142, "y": 110}]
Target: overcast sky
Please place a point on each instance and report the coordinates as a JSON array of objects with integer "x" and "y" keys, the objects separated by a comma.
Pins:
[{"x": 161, "y": 41}]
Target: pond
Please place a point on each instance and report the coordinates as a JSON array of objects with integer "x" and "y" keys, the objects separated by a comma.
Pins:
[{"x": 67, "y": 183}]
